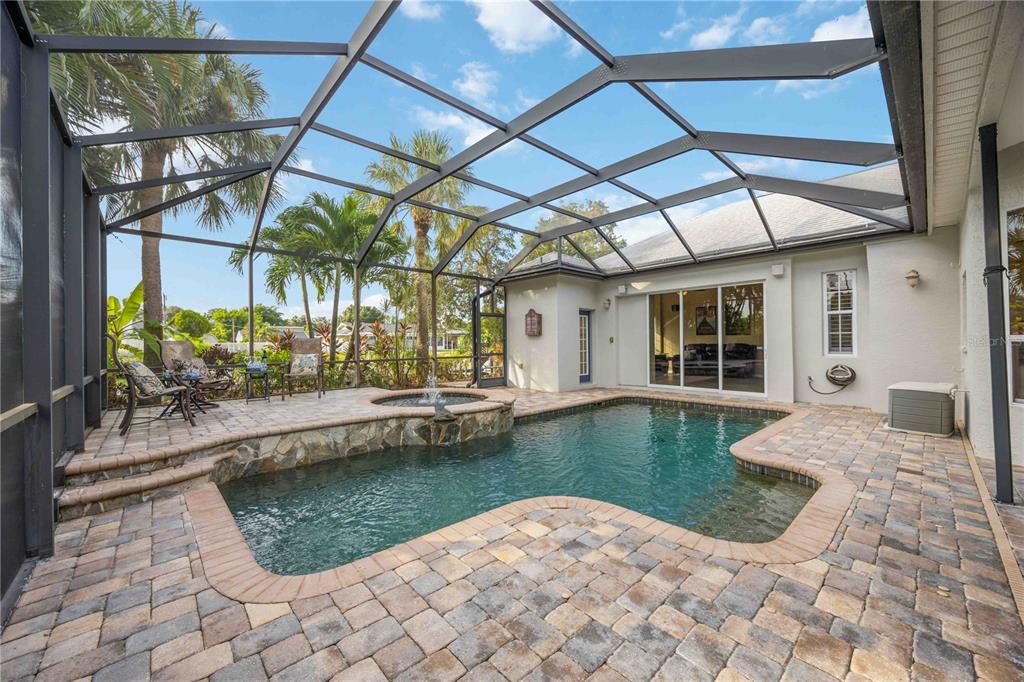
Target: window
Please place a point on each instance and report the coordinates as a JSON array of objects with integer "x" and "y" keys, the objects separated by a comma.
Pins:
[
  {"x": 1015, "y": 257},
  {"x": 840, "y": 312},
  {"x": 584, "y": 346}
]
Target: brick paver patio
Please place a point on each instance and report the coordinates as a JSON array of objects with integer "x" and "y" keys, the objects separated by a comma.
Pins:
[{"x": 911, "y": 585}]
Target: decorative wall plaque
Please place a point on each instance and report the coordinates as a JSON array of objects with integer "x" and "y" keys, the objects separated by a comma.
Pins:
[{"x": 533, "y": 319}]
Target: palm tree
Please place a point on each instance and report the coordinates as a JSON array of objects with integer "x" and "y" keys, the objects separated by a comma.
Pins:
[
  {"x": 282, "y": 270},
  {"x": 159, "y": 91},
  {"x": 337, "y": 229},
  {"x": 396, "y": 173}
]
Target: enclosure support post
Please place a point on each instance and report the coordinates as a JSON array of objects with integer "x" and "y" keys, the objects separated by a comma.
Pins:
[
  {"x": 356, "y": 339},
  {"x": 74, "y": 299},
  {"x": 252, "y": 313},
  {"x": 94, "y": 305},
  {"x": 104, "y": 355},
  {"x": 994, "y": 271},
  {"x": 36, "y": 344},
  {"x": 433, "y": 324}
]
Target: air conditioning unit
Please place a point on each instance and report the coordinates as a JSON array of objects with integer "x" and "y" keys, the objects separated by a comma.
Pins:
[{"x": 922, "y": 407}]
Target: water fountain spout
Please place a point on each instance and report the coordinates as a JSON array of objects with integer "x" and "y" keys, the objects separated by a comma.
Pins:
[{"x": 431, "y": 394}]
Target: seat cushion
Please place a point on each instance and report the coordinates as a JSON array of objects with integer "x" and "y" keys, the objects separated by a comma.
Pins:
[
  {"x": 146, "y": 382},
  {"x": 304, "y": 364}
]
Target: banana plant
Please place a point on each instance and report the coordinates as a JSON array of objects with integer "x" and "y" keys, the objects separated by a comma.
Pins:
[{"x": 125, "y": 322}]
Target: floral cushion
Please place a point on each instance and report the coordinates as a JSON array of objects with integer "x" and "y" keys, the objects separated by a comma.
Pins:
[
  {"x": 146, "y": 382},
  {"x": 196, "y": 366},
  {"x": 305, "y": 363}
]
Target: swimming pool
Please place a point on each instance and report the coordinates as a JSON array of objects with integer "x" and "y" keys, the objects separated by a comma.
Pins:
[{"x": 670, "y": 462}]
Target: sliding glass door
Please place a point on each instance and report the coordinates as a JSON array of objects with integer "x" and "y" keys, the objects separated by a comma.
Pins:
[
  {"x": 664, "y": 339},
  {"x": 743, "y": 338},
  {"x": 709, "y": 338}
]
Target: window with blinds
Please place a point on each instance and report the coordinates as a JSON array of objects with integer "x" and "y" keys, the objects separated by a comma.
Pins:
[{"x": 840, "y": 312}]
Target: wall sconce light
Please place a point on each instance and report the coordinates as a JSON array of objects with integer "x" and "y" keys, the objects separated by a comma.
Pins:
[
  {"x": 607, "y": 303},
  {"x": 913, "y": 278}
]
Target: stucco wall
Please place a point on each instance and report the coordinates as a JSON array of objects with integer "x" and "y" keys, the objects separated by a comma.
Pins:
[
  {"x": 532, "y": 360},
  {"x": 975, "y": 368},
  {"x": 550, "y": 362},
  {"x": 903, "y": 334},
  {"x": 809, "y": 328}
]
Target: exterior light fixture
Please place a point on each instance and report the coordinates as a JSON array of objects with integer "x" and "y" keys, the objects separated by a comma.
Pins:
[
  {"x": 607, "y": 303},
  {"x": 623, "y": 289},
  {"x": 913, "y": 278}
]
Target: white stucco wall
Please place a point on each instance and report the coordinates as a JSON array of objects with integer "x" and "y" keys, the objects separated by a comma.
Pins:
[
  {"x": 532, "y": 360},
  {"x": 913, "y": 332},
  {"x": 903, "y": 334},
  {"x": 975, "y": 374},
  {"x": 809, "y": 328},
  {"x": 550, "y": 362}
]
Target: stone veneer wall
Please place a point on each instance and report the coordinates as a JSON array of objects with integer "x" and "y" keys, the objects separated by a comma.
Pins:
[{"x": 303, "y": 448}]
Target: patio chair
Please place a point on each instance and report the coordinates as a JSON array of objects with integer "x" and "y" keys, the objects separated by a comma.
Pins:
[
  {"x": 142, "y": 384},
  {"x": 307, "y": 362},
  {"x": 180, "y": 356}
]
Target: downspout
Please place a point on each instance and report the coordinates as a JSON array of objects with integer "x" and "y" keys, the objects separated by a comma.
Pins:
[{"x": 993, "y": 276}]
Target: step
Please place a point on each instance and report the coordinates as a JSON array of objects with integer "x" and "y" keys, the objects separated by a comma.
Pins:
[{"x": 77, "y": 501}]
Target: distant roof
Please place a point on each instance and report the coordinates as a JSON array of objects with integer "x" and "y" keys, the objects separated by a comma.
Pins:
[{"x": 736, "y": 227}]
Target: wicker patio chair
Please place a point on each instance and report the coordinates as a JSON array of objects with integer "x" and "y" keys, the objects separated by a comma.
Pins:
[
  {"x": 307, "y": 362},
  {"x": 180, "y": 356},
  {"x": 142, "y": 383}
]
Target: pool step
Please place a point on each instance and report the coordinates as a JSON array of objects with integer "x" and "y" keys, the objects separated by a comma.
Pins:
[
  {"x": 119, "y": 467},
  {"x": 105, "y": 495}
]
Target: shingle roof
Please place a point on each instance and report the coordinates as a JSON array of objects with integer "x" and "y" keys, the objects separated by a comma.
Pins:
[{"x": 736, "y": 226}]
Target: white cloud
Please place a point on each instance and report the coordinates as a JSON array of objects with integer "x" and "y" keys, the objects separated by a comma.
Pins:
[
  {"x": 573, "y": 48},
  {"x": 216, "y": 28},
  {"x": 817, "y": 6},
  {"x": 306, "y": 165},
  {"x": 420, "y": 10},
  {"x": 421, "y": 72},
  {"x": 856, "y": 25},
  {"x": 765, "y": 31},
  {"x": 673, "y": 30},
  {"x": 714, "y": 176},
  {"x": 469, "y": 128},
  {"x": 297, "y": 187},
  {"x": 524, "y": 101},
  {"x": 719, "y": 33},
  {"x": 810, "y": 89},
  {"x": 478, "y": 83},
  {"x": 516, "y": 27}
]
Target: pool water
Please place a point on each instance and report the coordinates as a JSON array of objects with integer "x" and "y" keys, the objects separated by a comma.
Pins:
[
  {"x": 418, "y": 401},
  {"x": 668, "y": 462}
]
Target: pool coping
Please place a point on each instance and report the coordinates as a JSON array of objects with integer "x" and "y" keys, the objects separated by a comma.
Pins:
[{"x": 231, "y": 568}]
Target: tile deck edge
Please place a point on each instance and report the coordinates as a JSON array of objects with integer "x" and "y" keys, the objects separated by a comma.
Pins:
[{"x": 232, "y": 569}]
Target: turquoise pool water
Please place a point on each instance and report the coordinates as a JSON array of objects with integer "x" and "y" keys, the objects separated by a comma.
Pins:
[{"x": 670, "y": 463}]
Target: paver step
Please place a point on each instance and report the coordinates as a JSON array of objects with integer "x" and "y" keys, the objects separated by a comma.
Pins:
[{"x": 120, "y": 492}]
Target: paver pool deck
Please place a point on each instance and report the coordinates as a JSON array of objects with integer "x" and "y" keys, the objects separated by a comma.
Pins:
[{"x": 908, "y": 581}]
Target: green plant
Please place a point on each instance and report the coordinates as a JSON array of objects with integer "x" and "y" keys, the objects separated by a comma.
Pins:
[
  {"x": 124, "y": 322},
  {"x": 428, "y": 225},
  {"x": 148, "y": 91},
  {"x": 337, "y": 229}
]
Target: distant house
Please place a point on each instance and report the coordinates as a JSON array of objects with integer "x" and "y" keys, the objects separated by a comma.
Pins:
[
  {"x": 447, "y": 339},
  {"x": 298, "y": 331}
]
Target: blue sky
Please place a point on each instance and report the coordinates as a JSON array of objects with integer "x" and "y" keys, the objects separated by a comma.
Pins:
[{"x": 503, "y": 58}]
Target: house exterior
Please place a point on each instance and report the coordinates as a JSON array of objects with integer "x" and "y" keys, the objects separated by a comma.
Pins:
[{"x": 911, "y": 306}]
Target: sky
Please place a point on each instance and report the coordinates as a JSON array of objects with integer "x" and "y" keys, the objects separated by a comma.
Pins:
[{"x": 504, "y": 57}]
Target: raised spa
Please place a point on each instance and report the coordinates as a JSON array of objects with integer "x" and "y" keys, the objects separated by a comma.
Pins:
[
  {"x": 447, "y": 399},
  {"x": 666, "y": 461}
]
